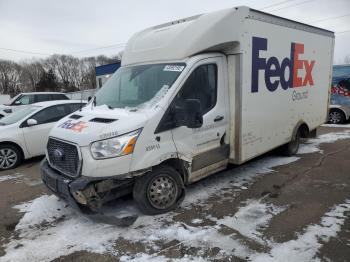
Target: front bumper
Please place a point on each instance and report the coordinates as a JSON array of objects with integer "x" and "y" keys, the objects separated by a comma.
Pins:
[
  {"x": 63, "y": 188},
  {"x": 58, "y": 185}
]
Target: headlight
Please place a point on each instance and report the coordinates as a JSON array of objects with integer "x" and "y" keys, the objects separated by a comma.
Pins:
[
  {"x": 116, "y": 146},
  {"x": 8, "y": 111}
]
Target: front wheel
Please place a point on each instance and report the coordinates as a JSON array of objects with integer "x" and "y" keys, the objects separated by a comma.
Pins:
[
  {"x": 159, "y": 191},
  {"x": 10, "y": 157}
]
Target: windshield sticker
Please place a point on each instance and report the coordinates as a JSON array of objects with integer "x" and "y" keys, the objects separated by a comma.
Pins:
[
  {"x": 174, "y": 68},
  {"x": 76, "y": 127}
]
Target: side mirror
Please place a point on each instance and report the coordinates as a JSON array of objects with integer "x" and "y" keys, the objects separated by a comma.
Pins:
[
  {"x": 17, "y": 103},
  {"x": 193, "y": 111},
  {"x": 188, "y": 113},
  {"x": 32, "y": 122}
]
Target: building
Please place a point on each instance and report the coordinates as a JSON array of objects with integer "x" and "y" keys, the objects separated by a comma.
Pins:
[{"x": 103, "y": 72}]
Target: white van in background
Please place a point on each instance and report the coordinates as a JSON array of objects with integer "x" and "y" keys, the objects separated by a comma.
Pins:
[
  {"x": 192, "y": 96},
  {"x": 24, "y": 99}
]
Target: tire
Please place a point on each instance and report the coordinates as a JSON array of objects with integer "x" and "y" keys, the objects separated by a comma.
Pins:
[
  {"x": 292, "y": 147},
  {"x": 10, "y": 156},
  {"x": 171, "y": 191},
  {"x": 336, "y": 117}
]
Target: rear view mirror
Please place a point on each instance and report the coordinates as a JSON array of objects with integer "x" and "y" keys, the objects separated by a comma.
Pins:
[
  {"x": 193, "y": 111},
  {"x": 17, "y": 103},
  {"x": 32, "y": 122}
]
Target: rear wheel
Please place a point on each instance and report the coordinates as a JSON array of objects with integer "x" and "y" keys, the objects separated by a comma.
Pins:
[
  {"x": 293, "y": 146},
  {"x": 336, "y": 116},
  {"x": 159, "y": 191},
  {"x": 10, "y": 156}
]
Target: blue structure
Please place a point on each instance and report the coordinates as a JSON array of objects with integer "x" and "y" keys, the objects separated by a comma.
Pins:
[{"x": 103, "y": 72}]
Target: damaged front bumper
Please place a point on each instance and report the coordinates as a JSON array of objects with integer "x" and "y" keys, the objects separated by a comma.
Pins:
[{"x": 87, "y": 195}]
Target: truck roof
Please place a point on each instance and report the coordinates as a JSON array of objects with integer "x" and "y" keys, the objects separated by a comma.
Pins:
[{"x": 216, "y": 31}]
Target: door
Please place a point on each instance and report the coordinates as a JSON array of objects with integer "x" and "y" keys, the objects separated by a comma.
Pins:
[
  {"x": 36, "y": 136},
  {"x": 207, "y": 145}
]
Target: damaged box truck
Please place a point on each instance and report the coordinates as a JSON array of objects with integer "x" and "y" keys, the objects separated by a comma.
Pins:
[{"x": 192, "y": 96}]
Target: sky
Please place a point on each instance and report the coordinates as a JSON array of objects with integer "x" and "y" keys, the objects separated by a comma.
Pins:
[{"x": 39, "y": 28}]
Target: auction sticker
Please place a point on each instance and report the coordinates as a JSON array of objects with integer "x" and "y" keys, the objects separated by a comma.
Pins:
[{"x": 174, "y": 68}]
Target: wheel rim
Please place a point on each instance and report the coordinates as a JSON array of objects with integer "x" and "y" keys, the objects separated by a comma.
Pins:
[
  {"x": 162, "y": 192},
  {"x": 334, "y": 117},
  {"x": 8, "y": 158}
]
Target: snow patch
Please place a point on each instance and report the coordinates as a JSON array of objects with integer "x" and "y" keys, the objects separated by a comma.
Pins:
[
  {"x": 197, "y": 221},
  {"x": 145, "y": 257},
  {"x": 312, "y": 145},
  {"x": 305, "y": 247},
  {"x": 238, "y": 178},
  {"x": 335, "y": 125},
  {"x": 10, "y": 177},
  {"x": 251, "y": 218}
]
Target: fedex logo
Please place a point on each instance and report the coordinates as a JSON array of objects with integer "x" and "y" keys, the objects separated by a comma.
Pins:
[
  {"x": 76, "y": 127},
  {"x": 275, "y": 70}
]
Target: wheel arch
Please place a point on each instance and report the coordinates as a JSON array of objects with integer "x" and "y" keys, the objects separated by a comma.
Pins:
[
  {"x": 341, "y": 110},
  {"x": 15, "y": 145},
  {"x": 180, "y": 166},
  {"x": 303, "y": 128}
]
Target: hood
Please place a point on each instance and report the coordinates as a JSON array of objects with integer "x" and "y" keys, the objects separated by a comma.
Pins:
[
  {"x": 2, "y": 107},
  {"x": 89, "y": 125}
]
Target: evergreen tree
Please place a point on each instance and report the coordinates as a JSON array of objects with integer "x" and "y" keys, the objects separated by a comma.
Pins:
[{"x": 47, "y": 82}]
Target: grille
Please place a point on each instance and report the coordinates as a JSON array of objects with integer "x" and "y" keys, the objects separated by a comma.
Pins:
[{"x": 64, "y": 157}]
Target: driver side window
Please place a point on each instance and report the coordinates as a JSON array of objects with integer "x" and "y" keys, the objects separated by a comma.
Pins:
[{"x": 201, "y": 85}]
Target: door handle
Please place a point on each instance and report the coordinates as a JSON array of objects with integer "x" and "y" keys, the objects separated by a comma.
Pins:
[{"x": 218, "y": 118}]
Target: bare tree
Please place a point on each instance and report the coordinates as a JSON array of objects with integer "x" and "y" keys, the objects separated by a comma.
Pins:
[
  {"x": 9, "y": 77},
  {"x": 31, "y": 74},
  {"x": 63, "y": 66},
  {"x": 88, "y": 65},
  {"x": 63, "y": 72}
]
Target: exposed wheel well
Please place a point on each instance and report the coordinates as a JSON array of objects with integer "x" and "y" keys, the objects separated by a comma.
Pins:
[
  {"x": 179, "y": 165},
  {"x": 15, "y": 145},
  {"x": 304, "y": 130}
]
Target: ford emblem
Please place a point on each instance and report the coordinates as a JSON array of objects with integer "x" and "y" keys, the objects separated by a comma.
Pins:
[{"x": 58, "y": 154}]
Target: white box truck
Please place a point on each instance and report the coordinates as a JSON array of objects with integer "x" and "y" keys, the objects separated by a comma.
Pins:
[{"x": 192, "y": 96}]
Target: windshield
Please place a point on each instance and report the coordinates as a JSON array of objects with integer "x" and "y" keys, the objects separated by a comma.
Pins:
[
  {"x": 8, "y": 103},
  {"x": 138, "y": 86},
  {"x": 17, "y": 115}
]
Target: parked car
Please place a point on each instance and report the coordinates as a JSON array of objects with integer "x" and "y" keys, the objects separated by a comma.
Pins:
[
  {"x": 339, "y": 109},
  {"x": 23, "y": 134},
  {"x": 24, "y": 99}
]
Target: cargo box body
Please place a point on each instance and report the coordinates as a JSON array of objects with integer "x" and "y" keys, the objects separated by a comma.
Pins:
[{"x": 281, "y": 77}]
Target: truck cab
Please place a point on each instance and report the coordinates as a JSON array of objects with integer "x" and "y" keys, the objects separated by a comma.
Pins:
[{"x": 183, "y": 105}]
